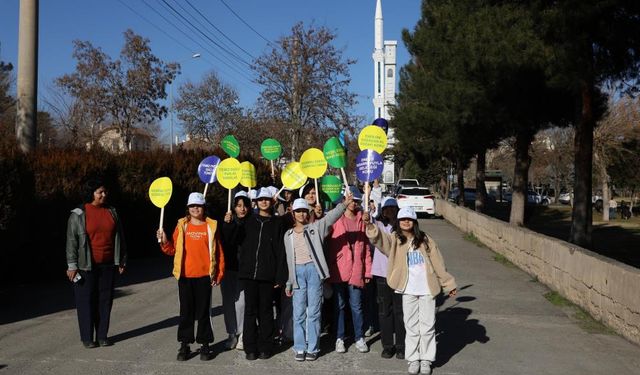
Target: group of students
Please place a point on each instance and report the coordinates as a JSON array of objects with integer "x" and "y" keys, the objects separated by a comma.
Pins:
[{"x": 266, "y": 247}]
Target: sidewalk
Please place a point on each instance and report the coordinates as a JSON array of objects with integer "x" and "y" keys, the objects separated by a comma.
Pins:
[{"x": 500, "y": 323}]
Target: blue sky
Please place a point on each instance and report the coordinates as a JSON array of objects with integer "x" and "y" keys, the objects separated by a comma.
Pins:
[{"x": 102, "y": 22}]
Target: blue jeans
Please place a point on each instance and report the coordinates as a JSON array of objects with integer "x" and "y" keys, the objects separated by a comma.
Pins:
[
  {"x": 340, "y": 291},
  {"x": 307, "y": 303}
]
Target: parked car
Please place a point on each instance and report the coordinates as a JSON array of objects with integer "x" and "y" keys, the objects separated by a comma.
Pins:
[
  {"x": 417, "y": 197},
  {"x": 565, "y": 198},
  {"x": 408, "y": 182},
  {"x": 469, "y": 195}
]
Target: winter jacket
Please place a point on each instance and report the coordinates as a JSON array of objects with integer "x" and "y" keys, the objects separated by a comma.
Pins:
[
  {"x": 78, "y": 246},
  {"x": 398, "y": 270},
  {"x": 261, "y": 251},
  {"x": 230, "y": 243},
  {"x": 176, "y": 248},
  {"x": 314, "y": 235},
  {"x": 350, "y": 263}
]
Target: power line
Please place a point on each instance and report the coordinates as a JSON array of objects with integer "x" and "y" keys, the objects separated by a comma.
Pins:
[
  {"x": 238, "y": 58},
  {"x": 217, "y": 29},
  {"x": 213, "y": 54},
  {"x": 245, "y": 22}
]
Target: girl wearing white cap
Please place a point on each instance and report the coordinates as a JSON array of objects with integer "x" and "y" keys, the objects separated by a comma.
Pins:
[
  {"x": 416, "y": 269},
  {"x": 389, "y": 303},
  {"x": 231, "y": 288},
  {"x": 307, "y": 270},
  {"x": 198, "y": 265}
]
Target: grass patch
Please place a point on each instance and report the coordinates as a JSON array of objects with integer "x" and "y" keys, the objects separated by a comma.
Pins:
[
  {"x": 473, "y": 239},
  {"x": 503, "y": 260},
  {"x": 556, "y": 299},
  {"x": 578, "y": 315}
]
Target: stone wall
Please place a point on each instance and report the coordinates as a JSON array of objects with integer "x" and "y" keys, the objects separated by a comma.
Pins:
[{"x": 607, "y": 289}]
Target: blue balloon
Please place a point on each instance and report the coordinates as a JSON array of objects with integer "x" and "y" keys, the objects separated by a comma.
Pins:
[
  {"x": 207, "y": 169},
  {"x": 382, "y": 123},
  {"x": 369, "y": 165}
]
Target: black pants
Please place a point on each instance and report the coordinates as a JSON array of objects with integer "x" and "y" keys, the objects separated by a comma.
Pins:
[
  {"x": 94, "y": 299},
  {"x": 195, "y": 304},
  {"x": 370, "y": 307},
  {"x": 390, "y": 315},
  {"x": 258, "y": 308}
]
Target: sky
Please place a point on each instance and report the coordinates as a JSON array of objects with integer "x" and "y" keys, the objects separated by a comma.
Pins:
[{"x": 102, "y": 22}]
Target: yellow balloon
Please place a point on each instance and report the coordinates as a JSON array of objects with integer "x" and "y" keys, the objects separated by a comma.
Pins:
[
  {"x": 372, "y": 137},
  {"x": 313, "y": 163},
  {"x": 292, "y": 176},
  {"x": 160, "y": 191},
  {"x": 229, "y": 173},
  {"x": 248, "y": 178}
]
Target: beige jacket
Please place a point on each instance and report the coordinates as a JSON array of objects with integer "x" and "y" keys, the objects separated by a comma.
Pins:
[{"x": 398, "y": 270}]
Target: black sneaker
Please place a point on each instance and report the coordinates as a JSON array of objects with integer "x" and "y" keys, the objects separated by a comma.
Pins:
[
  {"x": 205, "y": 352},
  {"x": 387, "y": 353},
  {"x": 89, "y": 344},
  {"x": 264, "y": 355},
  {"x": 311, "y": 356},
  {"x": 183, "y": 352},
  {"x": 251, "y": 356},
  {"x": 299, "y": 356},
  {"x": 105, "y": 342},
  {"x": 400, "y": 354}
]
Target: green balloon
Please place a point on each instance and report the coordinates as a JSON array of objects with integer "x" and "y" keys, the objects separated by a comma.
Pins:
[
  {"x": 271, "y": 149},
  {"x": 332, "y": 187},
  {"x": 334, "y": 153},
  {"x": 230, "y": 145}
]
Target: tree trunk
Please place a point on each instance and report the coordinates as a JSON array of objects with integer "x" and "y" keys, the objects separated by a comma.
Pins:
[
  {"x": 582, "y": 214},
  {"x": 556, "y": 189},
  {"x": 460, "y": 171},
  {"x": 520, "y": 178},
  {"x": 481, "y": 189},
  {"x": 605, "y": 194}
]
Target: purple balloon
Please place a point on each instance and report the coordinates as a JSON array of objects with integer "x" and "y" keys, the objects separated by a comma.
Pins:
[
  {"x": 369, "y": 165},
  {"x": 207, "y": 169},
  {"x": 381, "y": 123}
]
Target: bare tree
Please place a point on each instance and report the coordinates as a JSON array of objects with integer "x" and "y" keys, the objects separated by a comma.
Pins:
[
  {"x": 208, "y": 109},
  {"x": 305, "y": 83},
  {"x": 124, "y": 92}
]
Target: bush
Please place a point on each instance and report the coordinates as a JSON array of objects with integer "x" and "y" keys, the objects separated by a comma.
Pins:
[{"x": 37, "y": 192}]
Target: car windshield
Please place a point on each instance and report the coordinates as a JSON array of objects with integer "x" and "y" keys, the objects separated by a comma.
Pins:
[
  {"x": 408, "y": 183},
  {"x": 415, "y": 191}
]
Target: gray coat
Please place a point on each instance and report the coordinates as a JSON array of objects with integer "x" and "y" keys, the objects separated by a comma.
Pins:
[
  {"x": 78, "y": 246},
  {"x": 314, "y": 235}
]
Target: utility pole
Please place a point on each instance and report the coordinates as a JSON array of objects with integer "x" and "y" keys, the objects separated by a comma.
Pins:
[{"x": 27, "y": 106}]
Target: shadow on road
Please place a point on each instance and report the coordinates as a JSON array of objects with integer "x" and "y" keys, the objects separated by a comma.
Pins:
[
  {"x": 167, "y": 323},
  {"x": 454, "y": 331},
  {"x": 43, "y": 298}
]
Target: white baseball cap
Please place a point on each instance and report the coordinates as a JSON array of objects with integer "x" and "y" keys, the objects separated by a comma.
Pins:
[
  {"x": 273, "y": 190},
  {"x": 300, "y": 204},
  {"x": 407, "y": 213},
  {"x": 196, "y": 198},
  {"x": 264, "y": 193},
  {"x": 253, "y": 193},
  {"x": 389, "y": 202},
  {"x": 241, "y": 193}
]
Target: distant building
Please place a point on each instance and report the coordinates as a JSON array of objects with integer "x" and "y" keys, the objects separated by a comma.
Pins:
[{"x": 111, "y": 140}]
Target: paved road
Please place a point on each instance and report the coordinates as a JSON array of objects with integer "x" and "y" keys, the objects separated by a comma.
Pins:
[{"x": 499, "y": 324}]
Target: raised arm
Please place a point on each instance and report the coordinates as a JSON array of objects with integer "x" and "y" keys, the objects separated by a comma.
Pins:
[{"x": 385, "y": 242}]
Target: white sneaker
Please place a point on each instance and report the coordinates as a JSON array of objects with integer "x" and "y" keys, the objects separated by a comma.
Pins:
[
  {"x": 425, "y": 367},
  {"x": 361, "y": 345},
  {"x": 340, "y": 346},
  {"x": 240, "y": 345},
  {"x": 414, "y": 367},
  {"x": 368, "y": 332}
]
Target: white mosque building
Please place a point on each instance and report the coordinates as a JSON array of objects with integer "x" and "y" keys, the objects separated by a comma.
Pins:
[{"x": 384, "y": 95}]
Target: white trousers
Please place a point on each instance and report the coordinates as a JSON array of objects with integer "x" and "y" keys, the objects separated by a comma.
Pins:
[{"x": 419, "y": 322}]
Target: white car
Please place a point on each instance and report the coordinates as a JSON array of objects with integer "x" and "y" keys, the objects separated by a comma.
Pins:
[{"x": 419, "y": 198}]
